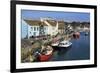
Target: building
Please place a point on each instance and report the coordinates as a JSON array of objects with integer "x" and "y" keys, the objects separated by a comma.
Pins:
[{"x": 44, "y": 26}]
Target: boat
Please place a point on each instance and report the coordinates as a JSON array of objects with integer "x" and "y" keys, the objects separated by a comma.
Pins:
[
  {"x": 55, "y": 44},
  {"x": 46, "y": 56},
  {"x": 63, "y": 44},
  {"x": 76, "y": 35},
  {"x": 86, "y": 33}
]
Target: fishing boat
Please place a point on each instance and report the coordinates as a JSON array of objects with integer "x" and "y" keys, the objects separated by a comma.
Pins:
[
  {"x": 76, "y": 35},
  {"x": 55, "y": 44},
  {"x": 62, "y": 44},
  {"x": 46, "y": 56},
  {"x": 65, "y": 44}
]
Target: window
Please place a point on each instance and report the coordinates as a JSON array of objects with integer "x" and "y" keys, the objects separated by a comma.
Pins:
[
  {"x": 45, "y": 28},
  {"x": 31, "y": 28},
  {"x": 37, "y": 28},
  {"x": 34, "y": 28},
  {"x": 34, "y": 33}
]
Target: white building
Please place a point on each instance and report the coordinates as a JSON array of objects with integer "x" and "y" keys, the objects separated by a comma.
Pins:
[
  {"x": 44, "y": 26},
  {"x": 52, "y": 26},
  {"x": 24, "y": 29}
]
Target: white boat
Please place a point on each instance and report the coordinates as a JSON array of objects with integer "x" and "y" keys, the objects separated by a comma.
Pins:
[
  {"x": 86, "y": 33},
  {"x": 55, "y": 44},
  {"x": 65, "y": 44}
]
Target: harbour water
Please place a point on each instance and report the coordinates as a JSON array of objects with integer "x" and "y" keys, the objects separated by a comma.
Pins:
[{"x": 80, "y": 50}]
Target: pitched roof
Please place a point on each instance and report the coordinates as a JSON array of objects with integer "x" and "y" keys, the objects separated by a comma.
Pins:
[
  {"x": 61, "y": 24},
  {"x": 35, "y": 22},
  {"x": 52, "y": 22}
]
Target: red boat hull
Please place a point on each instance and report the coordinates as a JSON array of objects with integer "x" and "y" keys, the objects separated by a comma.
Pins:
[{"x": 44, "y": 58}]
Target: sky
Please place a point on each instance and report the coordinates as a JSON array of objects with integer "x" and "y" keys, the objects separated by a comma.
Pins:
[{"x": 66, "y": 16}]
